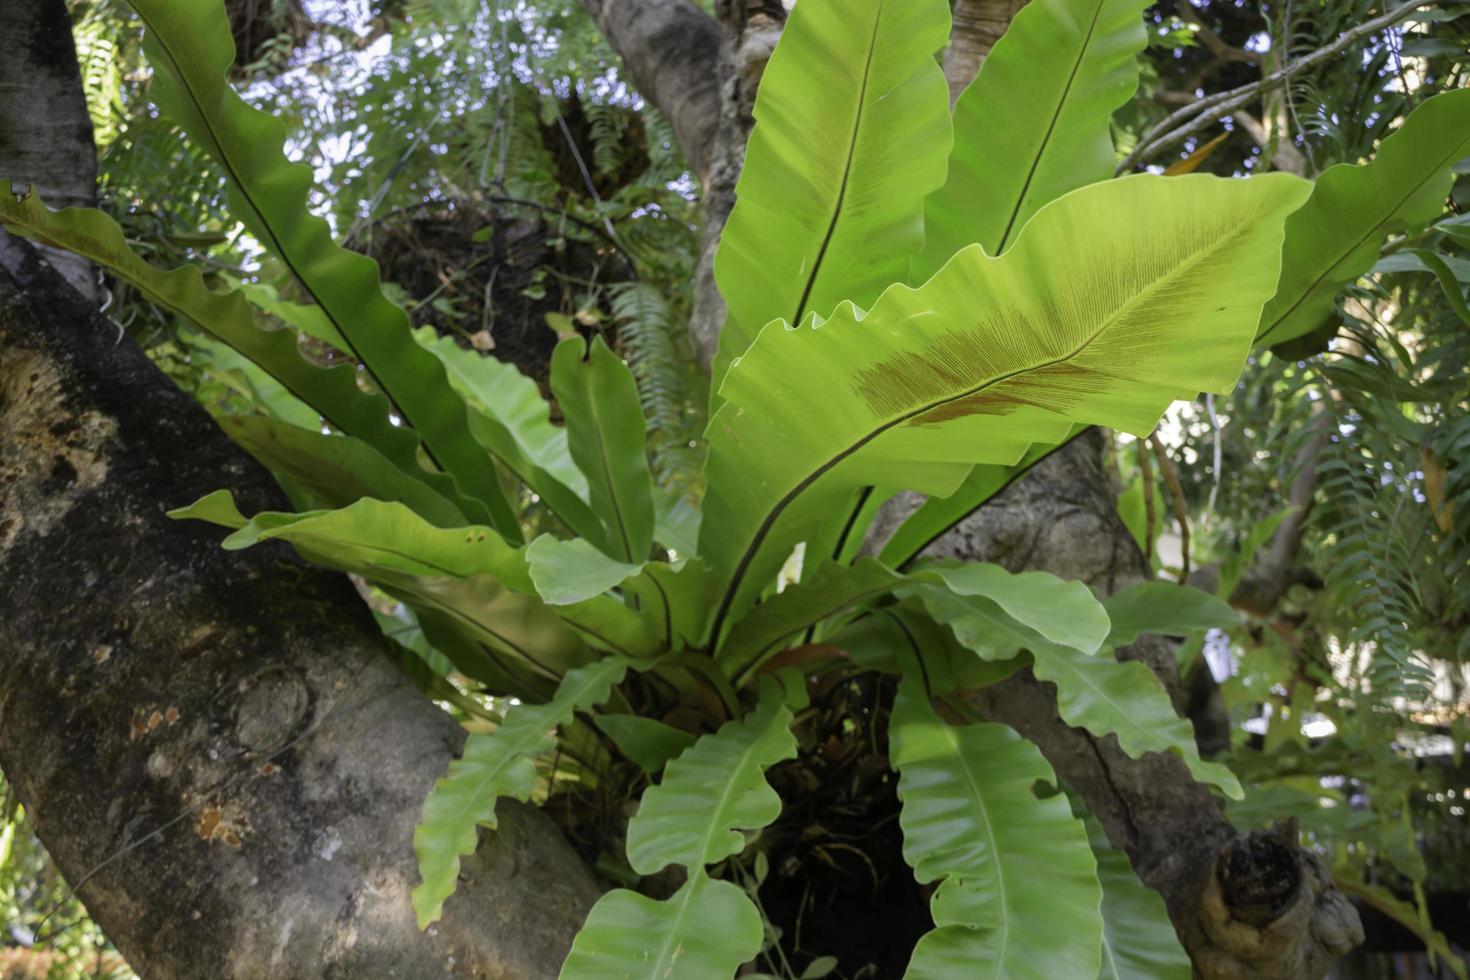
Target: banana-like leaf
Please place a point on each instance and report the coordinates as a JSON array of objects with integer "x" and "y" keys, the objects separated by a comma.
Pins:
[
  {"x": 1120, "y": 298},
  {"x": 937, "y": 515},
  {"x": 1139, "y": 942},
  {"x": 1335, "y": 237},
  {"x": 1124, "y": 698},
  {"x": 375, "y": 534},
  {"x": 716, "y": 788},
  {"x": 704, "y": 932},
  {"x": 227, "y": 317},
  {"x": 495, "y": 764},
  {"x": 501, "y": 391},
  {"x": 648, "y": 742},
  {"x": 830, "y": 201},
  {"x": 972, "y": 818},
  {"x": 567, "y": 572},
  {"x": 524, "y": 640},
  {"x": 336, "y": 470},
  {"x": 1035, "y": 122},
  {"x": 605, "y": 433},
  {"x": 191, "y": 50},
  {"x": 1166, "y": 609},
  {"x": 478, "y": 588}
]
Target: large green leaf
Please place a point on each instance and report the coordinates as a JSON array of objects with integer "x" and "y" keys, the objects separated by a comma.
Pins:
[
  {"x": 716, "y": 788},
  {"x": 567, "y": 572},
  {"x": 937, "y": 515},
  {"x": 1335, "y": 237},
  {"x": 337, "y": 470},
  {"x": 1166, "y": 609},
  {"x": 501, "y": 391},
  {"x": 1125, "y": 698},
  {"x": 1094, "y": 691},
  {"x": 852, "y": 128},
  {"x": 704, "y": 932},
  {"x": 478, "y": 589},
  {"x": 495, "y": 764},
  {"x": 518, "y": 642},
  {"x": 680, "y": 596},
  {"x": 1063, "y": 611},
  {"x": 1119, "y": 298},
  {"x": 227, "y": 317},
  {"x": 1035, "y": 123},
  {"x": 1020, "y": 896},
  {"x": 374, "y": 533},
  {"x": 191, "y": 50},
  {"x": 513, "y": 422},
  {"x": 605, "y": 432},
  {"x": 1139, "y": 942}
]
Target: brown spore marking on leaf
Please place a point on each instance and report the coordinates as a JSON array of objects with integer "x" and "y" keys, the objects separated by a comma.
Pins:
[
  {"x": 171, "y": 715},
  {"x": 956, "y": 361}
]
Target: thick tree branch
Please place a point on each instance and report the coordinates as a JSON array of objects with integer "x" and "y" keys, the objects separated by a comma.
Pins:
[
  {"x": 671, "y": 50},
  {"x": 214, "y": 746},
  {"x": 978, "y": 24},
  {"x": 45, "y": 132}
]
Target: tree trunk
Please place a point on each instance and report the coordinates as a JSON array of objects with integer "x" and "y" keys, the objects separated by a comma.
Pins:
[
  {"x": 214, "y": 746},
  {"x": 1245, "y": 906},
  {"x": 978, "y": 24},
  {"x": 45, "y": 132}
]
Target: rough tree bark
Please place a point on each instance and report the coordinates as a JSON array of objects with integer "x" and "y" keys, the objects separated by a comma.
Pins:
[
  {"x": 52, "y": 148},
  {"x": 1245, "y": 905},
  {"x": 216, "y": 748}
]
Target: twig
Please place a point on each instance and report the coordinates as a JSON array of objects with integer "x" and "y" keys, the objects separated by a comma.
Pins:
[
  {"x": 1176, "y": 493},
  {"x": 1150, "y": 517},
  {"x": 1199, "y": 114}
]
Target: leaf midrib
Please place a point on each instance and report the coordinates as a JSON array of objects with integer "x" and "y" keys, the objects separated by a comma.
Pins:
[
  {"x": 1000, "y": 879},
  {"x": 1050, "y": 128},
  {"x": 1372, "y": 232},
  {"x": 774, "y": 514},
  {"x": 857, "y": 126}
]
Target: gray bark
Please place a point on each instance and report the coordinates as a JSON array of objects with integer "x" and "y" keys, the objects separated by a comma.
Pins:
[
  {"x": 672, "y": 50},
  {"x": 215, "y": 747},
  {"x": 45, "y": 132},
  {"x": 978, "y": 24}
]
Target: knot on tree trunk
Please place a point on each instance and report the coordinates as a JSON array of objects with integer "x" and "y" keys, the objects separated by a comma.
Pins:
[{"x": 1270, "y": 911}]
